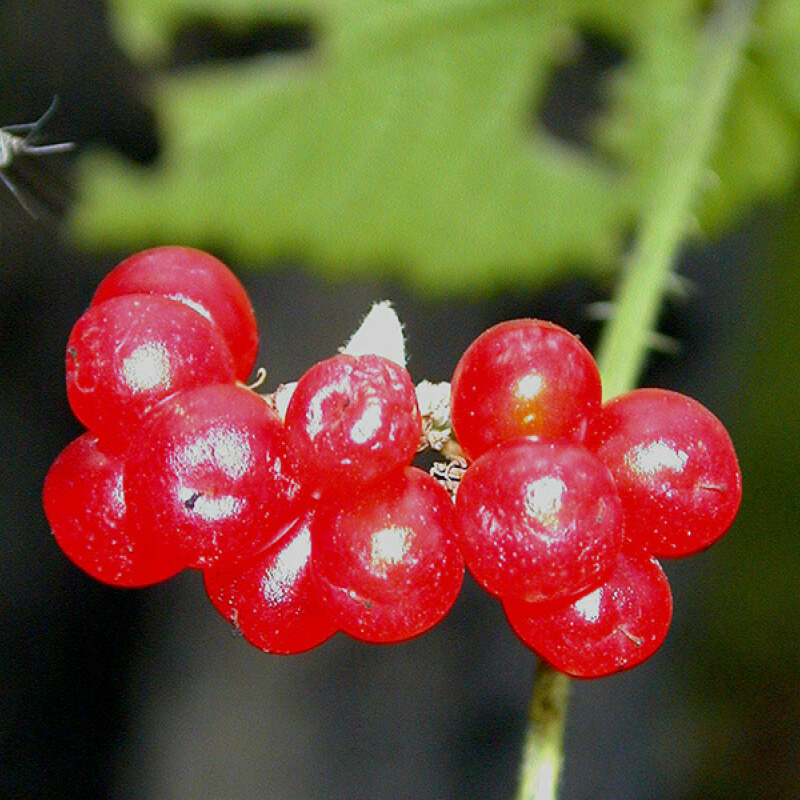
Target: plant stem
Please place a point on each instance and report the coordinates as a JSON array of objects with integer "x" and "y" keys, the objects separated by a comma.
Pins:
[
  {"x": 629, "y": 334},
  {"x": 663, "y": 226},
  {"x": 542, "y": 751}
]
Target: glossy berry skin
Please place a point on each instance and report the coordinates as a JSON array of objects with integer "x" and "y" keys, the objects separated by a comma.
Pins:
[
  {"x": 128, "y": 354},
  {"x": 521, "y": 378},
  {"x": 538, "y": 520},
  {"x": 270, "y": 599},
  {"x": 351, "y": 420},
  {"x": 84, "y": 501},
  {"x": 210, "y": 476},
  {"x": 385, "y": 558},
  {"x": 675, "y": 467},
  {"x": 197, "y": 279},
  {"x": 614, "y": 627}
]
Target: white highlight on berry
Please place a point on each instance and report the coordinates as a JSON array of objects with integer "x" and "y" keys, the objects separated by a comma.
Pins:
[
  {"x": 380, "y": 334},
  {"x": 588, "y": 606},
  {"x": 117, "y": 501},
  {"x": 529, "y": 386},
  {"x": 543, "y": 498},
  {"x": 367, "y": 424},
  {"x": 389, "y": 547},
  {"x": 315, "y": 416},
  {"x": 277, "y": 583},
  {"x": 147, "y": 366},
  {"x": 651, "y": 458},
  {"x": 193, "y": 304},
  {"x": 226, "y": 449},
  {"x": 232, "y": 453}
]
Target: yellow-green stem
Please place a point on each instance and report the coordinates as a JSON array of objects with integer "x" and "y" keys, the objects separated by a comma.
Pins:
[
  {"x": 666, "y": 218},
  {"x": 628, "y": 335},
  {"x": 543, "y": 750}
]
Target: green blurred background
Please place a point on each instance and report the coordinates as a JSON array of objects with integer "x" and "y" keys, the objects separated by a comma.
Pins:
[{"x": 472, "y": 162}]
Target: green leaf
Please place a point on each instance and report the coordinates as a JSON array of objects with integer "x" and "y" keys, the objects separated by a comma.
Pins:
[{"x": 407, "y": 139}]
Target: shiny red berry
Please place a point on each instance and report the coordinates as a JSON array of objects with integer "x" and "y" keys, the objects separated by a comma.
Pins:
[
  {"x": 675, "y": 467},
  {"x": 210, "y": 476},
  {"x": 270, "y": 599},
  {"x": 351, "y": 420},
  {"x": 385, "y": 558},
  {"x": 614, "y": 627},
  {"x": 126, "y": 355},
  {"x": 197, "y": 279},
  {"x": 523, "y": 378},
  {"x": 84, "y": 500},
  {"x": 538, "y": 520}
]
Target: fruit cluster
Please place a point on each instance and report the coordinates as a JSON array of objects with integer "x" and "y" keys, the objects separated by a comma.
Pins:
[
  {"x": 567, "y": 503},
  {"x": 303, "y": 508}
]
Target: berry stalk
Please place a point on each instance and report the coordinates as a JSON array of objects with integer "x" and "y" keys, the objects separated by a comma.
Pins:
[
  {"x": 542, "y": 750},
  {"x": 630, "y": 331}
]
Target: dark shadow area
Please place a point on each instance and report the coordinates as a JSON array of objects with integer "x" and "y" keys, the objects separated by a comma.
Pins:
[
  {"x": 205, "y": 41},
  {"x": 68, "y": 51},
  {"x": 575, "y": 97}
]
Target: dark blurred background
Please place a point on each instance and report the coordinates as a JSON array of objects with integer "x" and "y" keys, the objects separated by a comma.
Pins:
[{"x": 148, "y": 695}]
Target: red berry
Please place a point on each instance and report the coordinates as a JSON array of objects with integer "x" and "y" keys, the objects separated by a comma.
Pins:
[
  {"x": 271, "y": 599},
  {"x": 210, "y": 476},
  {"x": 351, "y": 420},
  {"x": 538, "y": 519},
  {"x": 200, "y": 281},
  {"x": 385, "y": 558},
  {"x": 523, "y": 378},
  {"x": 614, "y": 627},
  {"x": 128, "y": 354},
  {"x": 675, "y": 467},
  {"x": 84, "y": 501}
]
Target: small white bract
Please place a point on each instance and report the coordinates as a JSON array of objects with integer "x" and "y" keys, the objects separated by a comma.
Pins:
[{"x": 380, "y": 334}]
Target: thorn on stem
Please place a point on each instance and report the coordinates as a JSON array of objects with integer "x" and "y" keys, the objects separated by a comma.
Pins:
[
  {"x": 681, "y": 287},
  {"x": 601, "y": 311},
  {"x": 661, "y": 343}
]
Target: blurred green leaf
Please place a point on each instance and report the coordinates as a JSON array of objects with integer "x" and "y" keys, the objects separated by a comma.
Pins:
[{"x": 408, "y": 137}]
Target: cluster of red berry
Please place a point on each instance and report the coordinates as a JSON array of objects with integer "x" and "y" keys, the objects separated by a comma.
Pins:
[
  {"x": 303, "y": 508},
  {"x": 567, "y": 503}
]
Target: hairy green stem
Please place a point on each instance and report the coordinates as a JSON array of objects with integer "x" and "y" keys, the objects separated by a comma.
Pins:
[
  {"x": 629, "y": 334},
  {"x": 665, "y": 220}
]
